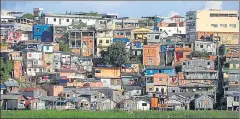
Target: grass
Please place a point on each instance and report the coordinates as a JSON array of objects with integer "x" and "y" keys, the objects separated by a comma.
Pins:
[{"x": 117, "y": 114}]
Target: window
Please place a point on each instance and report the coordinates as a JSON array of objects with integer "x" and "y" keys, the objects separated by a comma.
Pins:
[
  {"x": 223, "y": 25},
  {"x": 150, "y": 89},
  {"x": 232, "y": 15},
  {"x": 54, "y": 19},
  {"x": 95, "y": 97},
  {"x": 160, "y": 79},
  {"x": 72, "y": 20},
  {"x": 67, "y": 20},
  {"x": 201, "y": 46},
  {"x": 233, "y": 25},
  {"x": 38, "y": 29},
  {"x": 46, "y": 20},
  {"x": 107, "y": 41},
  {"x": 223, "y": 15},
  {"x": 208, "y": 63},
  {"x": 100, "y": 41},
  {"x": 236, "y": 99},
  {"x": 150, "y": 60},
  {"x": 188, "y": 56},
  {"x": 214, "y": 25},
  {"x": 156, "y": 36},
  {"x": 29, "y": 55},
  {"x": 35, "y": 69},
  {"x": 47, "y": 48},
  {"x": 184, "y": 63},
  {"x": 98, "y": 71},
  {"x": 144, "y": 104},
  {"x": 29, "y": 69},
  {"x": 173, "y": 91},
  {"x": 157, "y": 89}
]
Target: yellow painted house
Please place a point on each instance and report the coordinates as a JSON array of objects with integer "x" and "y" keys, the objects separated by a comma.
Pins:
[
  {"x": 140, "y": 33},
  {"x": 107, "y": 72}
]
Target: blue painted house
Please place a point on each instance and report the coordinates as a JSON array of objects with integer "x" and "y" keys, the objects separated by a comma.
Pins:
[
  {"x": 124, "y": 40},
  {"x": 151, "y": 70},
  {"x": 43, "y": 32}
]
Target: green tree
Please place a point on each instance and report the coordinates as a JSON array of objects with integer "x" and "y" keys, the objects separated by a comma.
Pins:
[
  {"x": 6, "y": 69},
  {"x": 115, "y": 55},
  {"x": 78, "y": 24},
  {"x": 28, "y": 16},
  {"x": 64, "y": 47}
]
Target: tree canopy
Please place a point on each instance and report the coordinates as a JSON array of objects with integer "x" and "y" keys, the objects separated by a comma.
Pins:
[
  {"x": 28, "y": 16},
  {"x": 78, "y": 25},
  {"x": 6, "y": 69},
  {"x": 116, "y": 55},
  {"x": 64, "y": 47}
]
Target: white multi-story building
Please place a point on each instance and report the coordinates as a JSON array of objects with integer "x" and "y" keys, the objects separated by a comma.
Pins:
[
  {"x": 207, "y": 46},
  {"x": 173, "y": 25},
  {"x": 33, "y": 62},
  {"x": 66, "y": 20}
]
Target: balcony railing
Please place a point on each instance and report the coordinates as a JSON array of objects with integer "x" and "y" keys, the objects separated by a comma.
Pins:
[
  {"x": 183, "y": 49},
  {"x": 17, "y": 58},
  {"x": 230, "y": 92}
]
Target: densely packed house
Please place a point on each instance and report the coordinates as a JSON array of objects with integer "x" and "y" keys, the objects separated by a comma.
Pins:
[{"x": 182, "y": 63}]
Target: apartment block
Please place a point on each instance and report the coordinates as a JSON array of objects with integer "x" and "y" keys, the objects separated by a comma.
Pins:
[{"x": 223, "y": 24}]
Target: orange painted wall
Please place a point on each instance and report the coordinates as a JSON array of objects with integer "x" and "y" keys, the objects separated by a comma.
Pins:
[
  {"x": 4, "y": 47},
  {"x": 108, "y": 72},
  {"x": 164, "y": 78},
  {"x": 17, "y": 69},
  {"x": 76, "y": 50},
  {"x": 89, "y": 43},
  {"x": 151, "y": 52}
]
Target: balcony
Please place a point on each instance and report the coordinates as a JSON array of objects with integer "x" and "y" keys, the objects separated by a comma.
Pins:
[
  {"x": 137, "y": 45},
  {"x": 228, "y": 70},
  {"x": 183, "y": 49},
  {"x": 17, "y": 58},
  {"x": 154, "y": 41},
  {"x": 119, "y": 36},
  {"x": 201, "y": 76},
  {"x": 100, "y": 26},
  {"x": 230, "y": 92}
]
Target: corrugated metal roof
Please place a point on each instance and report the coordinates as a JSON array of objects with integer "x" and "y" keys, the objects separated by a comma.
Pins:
[
  {"x": 49, "y": 98},
  {"x": 11, "y": 83},
  {"x": 10, "y": 97}
]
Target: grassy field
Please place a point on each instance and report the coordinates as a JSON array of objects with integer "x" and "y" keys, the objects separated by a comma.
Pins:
[{"x": 117, "y": 114}]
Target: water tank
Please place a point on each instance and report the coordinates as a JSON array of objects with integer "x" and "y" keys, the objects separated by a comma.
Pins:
[{"x": 35, "y": 12}]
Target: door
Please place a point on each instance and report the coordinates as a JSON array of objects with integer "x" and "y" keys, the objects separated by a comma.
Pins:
[{"x": 60, "y": 21}]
